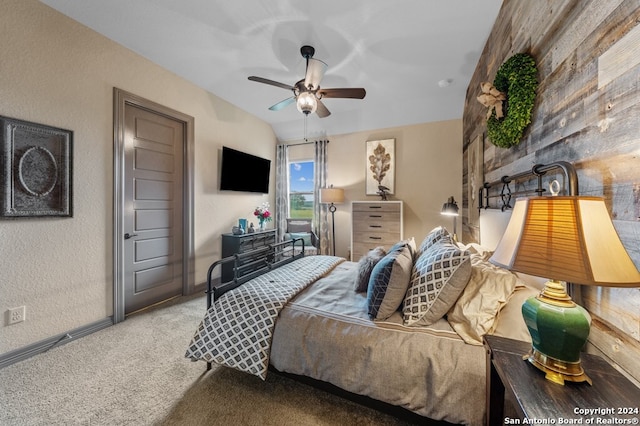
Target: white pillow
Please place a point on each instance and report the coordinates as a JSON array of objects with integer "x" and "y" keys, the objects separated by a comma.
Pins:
[
  {"x": 510, "y": 322},
  {"x": 474, "y": 313}
]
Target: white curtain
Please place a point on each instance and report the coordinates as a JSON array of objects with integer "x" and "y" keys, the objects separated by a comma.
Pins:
[
  {"x": 282, "y": 190},
  {"x": 320, "y": 214}
]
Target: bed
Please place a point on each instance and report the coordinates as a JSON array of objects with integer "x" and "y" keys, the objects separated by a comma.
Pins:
[
  {"x": 322, "y": 328},
  {"x": 402, "y": 326}
]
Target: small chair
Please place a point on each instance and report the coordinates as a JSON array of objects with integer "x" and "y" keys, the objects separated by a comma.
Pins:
[{"x": 302, "y": 228}]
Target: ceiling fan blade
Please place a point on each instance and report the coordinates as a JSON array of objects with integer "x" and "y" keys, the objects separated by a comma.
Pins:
[
  {"x": 322, "y": 110},
  {"x": 271, "y": 82},
  {"x": 282, "y": 104},
  {"x": 315, "y": 72},
  {"x": 358, "y": 93}
]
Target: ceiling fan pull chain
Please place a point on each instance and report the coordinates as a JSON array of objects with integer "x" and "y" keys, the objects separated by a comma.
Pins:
[{"x": 305, "y": 127}]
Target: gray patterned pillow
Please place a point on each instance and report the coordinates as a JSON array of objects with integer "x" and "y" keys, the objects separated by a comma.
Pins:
[
  {"x": 409, "y": 242},
  {"x": 388, "y": 283},
  {"x": 438, "y": 277},
  {"x": 434, "y": 237},
  {"x": 365, "y": 266}
]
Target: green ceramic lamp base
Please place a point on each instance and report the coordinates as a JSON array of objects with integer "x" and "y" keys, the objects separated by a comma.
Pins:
[{"x": 559, "y": 330}]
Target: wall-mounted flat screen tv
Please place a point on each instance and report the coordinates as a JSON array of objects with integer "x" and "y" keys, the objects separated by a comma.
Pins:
[{"x": 244, "y": 172}]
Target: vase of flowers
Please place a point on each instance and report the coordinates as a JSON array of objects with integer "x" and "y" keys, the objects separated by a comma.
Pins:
[{"x": 263, "y": 215}]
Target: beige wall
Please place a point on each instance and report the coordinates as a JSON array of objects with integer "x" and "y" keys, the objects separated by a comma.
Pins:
[
  {"x": 428, "y": 171},
  {"x": 57, "y": 72}
]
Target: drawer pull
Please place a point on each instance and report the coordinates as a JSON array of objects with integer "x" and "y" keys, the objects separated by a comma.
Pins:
[
  {"x": 375, "y": 226},
  {"x": 375, "y": 207},
  {"x": 375, "y": 238},
  {"x": 375, "y": 215}
]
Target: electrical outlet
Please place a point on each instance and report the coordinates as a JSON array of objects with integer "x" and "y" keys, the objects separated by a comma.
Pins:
[{"x": 17, "y": 315}]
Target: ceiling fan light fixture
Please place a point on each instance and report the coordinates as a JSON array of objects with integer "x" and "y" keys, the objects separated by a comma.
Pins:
[
  {"x": 306, "y": 92},
  {"x": 307, "y": 103}
]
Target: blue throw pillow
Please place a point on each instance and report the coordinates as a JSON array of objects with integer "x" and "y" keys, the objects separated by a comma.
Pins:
[
  {"x": 306, "y": 237},
  {"x": 389, "y": 282}
]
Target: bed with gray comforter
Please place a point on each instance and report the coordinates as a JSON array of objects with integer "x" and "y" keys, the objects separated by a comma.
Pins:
[{"x": 317, "y": 326}]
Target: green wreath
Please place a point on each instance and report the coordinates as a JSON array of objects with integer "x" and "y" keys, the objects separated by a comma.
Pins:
[{"x": 516, "y": 78}]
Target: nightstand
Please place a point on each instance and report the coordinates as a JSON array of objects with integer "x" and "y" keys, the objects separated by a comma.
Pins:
[{"x": 612, "y": 395}]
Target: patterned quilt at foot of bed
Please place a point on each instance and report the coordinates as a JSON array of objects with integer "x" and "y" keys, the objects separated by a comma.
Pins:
[{"x": 238, "y": 329}]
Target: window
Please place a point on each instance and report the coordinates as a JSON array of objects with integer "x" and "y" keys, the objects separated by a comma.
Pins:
[{"x": 301, "y": 189}]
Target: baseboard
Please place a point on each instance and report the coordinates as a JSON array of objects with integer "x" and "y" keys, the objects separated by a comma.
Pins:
[{"x": 47, "y": 344}]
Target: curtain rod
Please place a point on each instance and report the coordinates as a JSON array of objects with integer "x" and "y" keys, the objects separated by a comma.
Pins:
[{"x": 301, "y": 143}]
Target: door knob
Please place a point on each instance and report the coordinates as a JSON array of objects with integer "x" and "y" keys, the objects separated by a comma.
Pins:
[{"x": 128, "y": 235}]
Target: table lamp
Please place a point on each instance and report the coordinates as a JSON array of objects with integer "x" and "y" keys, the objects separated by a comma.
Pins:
[
  {"x": 450, "y": 208},
  {"x": 332, "y": 196},
  {"x": 565, "y": 239}
]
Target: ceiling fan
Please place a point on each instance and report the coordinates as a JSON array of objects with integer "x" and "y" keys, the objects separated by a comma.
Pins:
[{"x": 307, "y": 93}]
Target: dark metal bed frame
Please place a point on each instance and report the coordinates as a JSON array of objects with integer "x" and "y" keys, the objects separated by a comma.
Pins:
[
  {"x": 251, "y": 264},
  {"x": 537, "y": 172}
]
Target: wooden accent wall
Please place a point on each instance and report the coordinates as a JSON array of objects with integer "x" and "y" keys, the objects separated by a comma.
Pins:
[{"x": 587, "y": 112}]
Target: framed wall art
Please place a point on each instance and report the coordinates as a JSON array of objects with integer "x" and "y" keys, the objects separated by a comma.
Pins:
[
  {"x": 36, "y": 170},
  {"x": 381, "y": 169}
]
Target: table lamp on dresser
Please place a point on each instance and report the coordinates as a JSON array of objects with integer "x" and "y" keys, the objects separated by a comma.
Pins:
[{"x": 565, "y": 239}]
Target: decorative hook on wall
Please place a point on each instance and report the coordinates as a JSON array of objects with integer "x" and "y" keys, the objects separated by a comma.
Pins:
[
  {"x": 540, "y": 190},
  {"x": 484, "y": 192},
  {"x": 505, "y": 194}
]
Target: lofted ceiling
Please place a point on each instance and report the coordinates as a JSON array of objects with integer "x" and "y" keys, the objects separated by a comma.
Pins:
[{"x": 415, "y": 58}]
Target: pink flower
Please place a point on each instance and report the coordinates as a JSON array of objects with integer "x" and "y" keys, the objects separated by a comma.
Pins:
[{"x": 262, "y": 212}]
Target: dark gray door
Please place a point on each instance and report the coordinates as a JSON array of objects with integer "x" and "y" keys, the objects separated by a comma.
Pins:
[{"x": 154, "y": 146}]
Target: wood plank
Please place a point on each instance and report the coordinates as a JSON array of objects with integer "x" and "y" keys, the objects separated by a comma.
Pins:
[
  {"x": 578, "y": 26},
  {"x": 619, "y": 58},
  {"x": 618, "y": 305},
  {"x": 621, "y": 351}
]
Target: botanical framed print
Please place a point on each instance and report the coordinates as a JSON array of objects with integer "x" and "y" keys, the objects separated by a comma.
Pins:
[
  {"x": 381, "y": 169},
  {"x": 36, "y": 171}
]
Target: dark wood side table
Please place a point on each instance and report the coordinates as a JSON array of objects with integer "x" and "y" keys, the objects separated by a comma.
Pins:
[{"x": 611, "y": 397}]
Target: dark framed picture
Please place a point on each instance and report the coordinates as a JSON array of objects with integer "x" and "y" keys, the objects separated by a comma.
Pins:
[{"x": 36, "y": 169}]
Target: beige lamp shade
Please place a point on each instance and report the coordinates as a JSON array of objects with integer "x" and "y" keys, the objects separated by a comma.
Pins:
[
  {"x": 566, "y": 239},
  {"x": 331, "y": 195}
]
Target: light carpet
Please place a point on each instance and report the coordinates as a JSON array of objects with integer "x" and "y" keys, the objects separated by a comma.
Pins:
[{"x": 135, "y": 373}]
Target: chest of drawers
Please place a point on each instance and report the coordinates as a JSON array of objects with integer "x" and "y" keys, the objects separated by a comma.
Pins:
[
  {"x": 374, "y": 224},
  {"x": 236, "y": 244}
]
